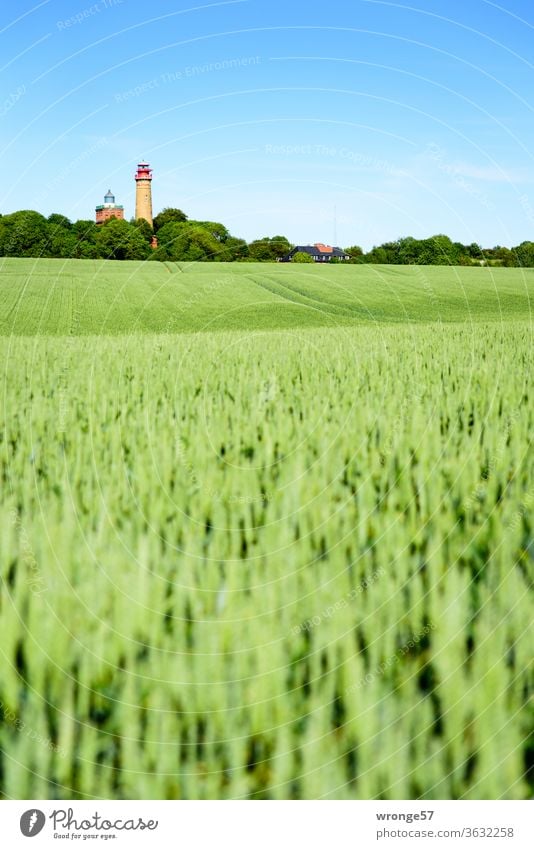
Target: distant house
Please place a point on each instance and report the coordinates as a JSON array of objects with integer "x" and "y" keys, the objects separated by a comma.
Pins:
[{"x": 319, "y": 252}]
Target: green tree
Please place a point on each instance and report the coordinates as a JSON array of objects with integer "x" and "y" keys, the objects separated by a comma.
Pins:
[
  {"x": 61, "y": 238},
  {"x": 24, "y": 233},
  {"x": 217, "y": 230},
  {"x": 525, "y": 254},
  {"x": 187, "y": 242},
  {"x": 504, "y": 256},
  {"x": 408, "y": 251},
  {"x": 392, "y": 252},
  {"x": 377, "y": 255},
  {"x": 474, "y": 251},
  {"x": 268, "y": 249},
  {"x": 116, "y": 239},
  {"x": 143, "y": 227},
  {"x": 203, "y": 245},
  {"x": 172, "y": 241},
  {"x": 233, "y": 249},
  {"x": 84, "y": 231},
  {"x": 355, "y": 253},
  {"x": 260, "y": 250},
  {"x": 58, "y": 220},
  {"x": 168, "y": 215},
  {"x": 443, "y": 251},
  {"x": 280, "y": 246},
  {"x": 302, "y": 256}
]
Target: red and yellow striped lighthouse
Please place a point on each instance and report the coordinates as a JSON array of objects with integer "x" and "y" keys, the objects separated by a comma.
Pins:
[{"x": 143, "y": 192}]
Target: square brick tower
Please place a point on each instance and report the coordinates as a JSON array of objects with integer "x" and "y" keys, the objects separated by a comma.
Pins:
[{"x": 108, "y": 209}]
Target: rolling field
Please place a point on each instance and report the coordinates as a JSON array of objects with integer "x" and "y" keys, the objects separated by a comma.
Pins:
[
  {"x": 75, "y": 297},
  {"x": 289, "y": 559}
]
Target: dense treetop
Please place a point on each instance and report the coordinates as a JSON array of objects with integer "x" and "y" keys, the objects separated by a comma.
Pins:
[{"x": 29, "y": 234}]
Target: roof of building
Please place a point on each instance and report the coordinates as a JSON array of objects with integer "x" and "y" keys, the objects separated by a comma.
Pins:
[{"x": 318, "y": 250}]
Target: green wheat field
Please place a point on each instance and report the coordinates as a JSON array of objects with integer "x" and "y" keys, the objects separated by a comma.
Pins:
[{"x": 266, "y": 532}]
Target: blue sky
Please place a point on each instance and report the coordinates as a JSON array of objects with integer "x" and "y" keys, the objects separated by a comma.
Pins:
[{"x": 357, "y": 121}]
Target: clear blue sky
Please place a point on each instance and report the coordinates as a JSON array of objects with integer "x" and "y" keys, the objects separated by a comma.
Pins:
[{"x": 273, "y": 117}]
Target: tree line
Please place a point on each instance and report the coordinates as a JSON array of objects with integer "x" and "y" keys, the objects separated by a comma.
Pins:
[
  {"x": 29, "y": 234},
  {"x": 441, "y": 250}
]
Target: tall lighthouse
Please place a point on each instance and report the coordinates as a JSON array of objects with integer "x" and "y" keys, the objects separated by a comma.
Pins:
[{"x": 143, "y": 192}]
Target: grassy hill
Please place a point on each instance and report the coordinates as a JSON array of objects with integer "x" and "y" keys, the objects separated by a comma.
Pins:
[{"x": 78, "y": 297}]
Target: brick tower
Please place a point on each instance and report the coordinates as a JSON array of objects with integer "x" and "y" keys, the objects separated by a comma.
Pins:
[
  {"x": 108, "y": 209},
  {"x": 143, "y": 192}
]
